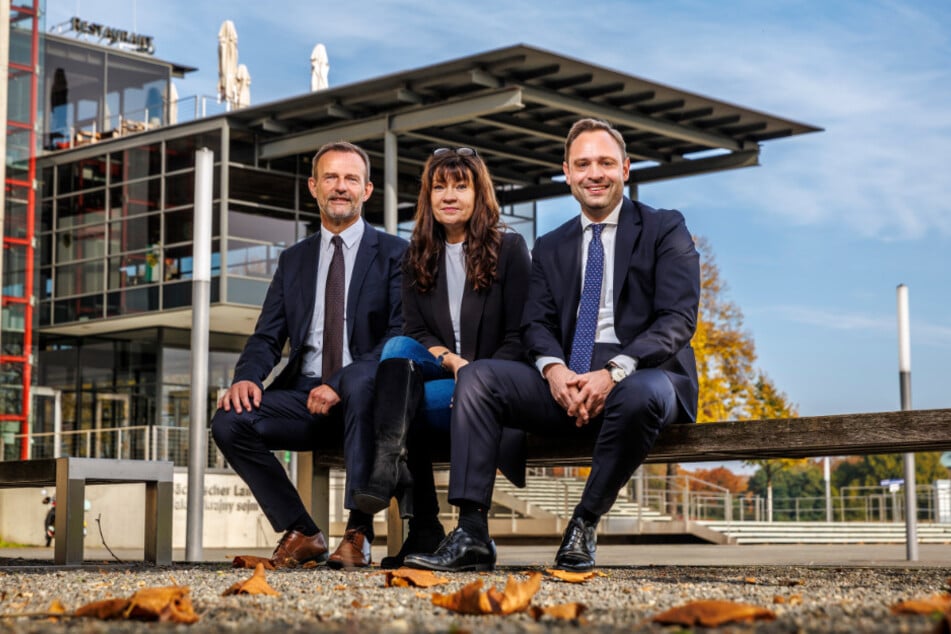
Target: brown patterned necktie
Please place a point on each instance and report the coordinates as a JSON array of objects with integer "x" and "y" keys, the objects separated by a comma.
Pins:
[{"x": 332, "y": 356}]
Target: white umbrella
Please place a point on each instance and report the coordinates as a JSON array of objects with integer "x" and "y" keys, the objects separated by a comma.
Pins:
[
  {"x": 227, "y": 62},
  {"x": 243, "y": 78},
  {"x": 319, "y": 68}
]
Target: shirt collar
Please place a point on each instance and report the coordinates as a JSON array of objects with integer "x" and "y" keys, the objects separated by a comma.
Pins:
[
  {"x": 612, "y": 218},
  {"x": 350, "y": 236}
]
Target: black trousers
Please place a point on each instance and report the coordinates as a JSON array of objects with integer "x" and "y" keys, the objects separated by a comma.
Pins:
[
  {"x": 282, "y": 422},
  {"x": 491, "y": 394}
]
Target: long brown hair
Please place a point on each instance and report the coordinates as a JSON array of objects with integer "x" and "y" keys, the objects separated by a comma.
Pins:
[{"x": 483, "y": 231}]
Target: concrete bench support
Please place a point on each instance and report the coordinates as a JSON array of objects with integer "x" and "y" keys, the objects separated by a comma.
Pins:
[{"x": 70, "y": 477}]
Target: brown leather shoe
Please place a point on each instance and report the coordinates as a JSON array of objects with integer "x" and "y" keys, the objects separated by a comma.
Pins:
[
  {"x": 353, "y": 551},
  {"x": 295, "y": 549}
]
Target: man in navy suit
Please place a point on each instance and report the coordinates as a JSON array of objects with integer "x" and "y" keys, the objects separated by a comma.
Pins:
[
  {"x": 612, "y": 305},
  {"x": 335, "y": 297}
]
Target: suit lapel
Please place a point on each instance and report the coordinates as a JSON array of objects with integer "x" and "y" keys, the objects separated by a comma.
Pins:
[
  {"x": 366, "y": 253},
  {"x": 306, "y": 282},
  {"x": 628, "y": 230},
  {"x": 568, "y": 264},
  {"x": 470, "y": 316}
]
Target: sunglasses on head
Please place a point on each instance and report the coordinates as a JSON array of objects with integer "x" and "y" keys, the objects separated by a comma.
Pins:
[{"x": 462, "y": 151}]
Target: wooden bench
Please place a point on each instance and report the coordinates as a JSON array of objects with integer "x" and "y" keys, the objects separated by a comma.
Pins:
[
  {"x": 70, "y": 477},
  {"x": 807, "y": 437}
]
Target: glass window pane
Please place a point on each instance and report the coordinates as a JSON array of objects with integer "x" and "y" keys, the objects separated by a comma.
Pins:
[
  {"x": 180, "y": 189},
  {"x": 134, "y": 234},
  {"x": 81, "y": 243},
  {"x": 14, "y": 219},
  {"x": 85, "y": 174},
  {"x": 134, "y": 269},
  {"x": 18, "y": 153},
  {"x": 81, "y": 209},
  {"x": 21, "y": 41},
  {"x": 180, "y": 153},
  {"x": 77, "y": 309},
  {"x": 179, "y": 225},
  {"x": 252, "y": 259},
  {"x": 139, "y": 197},
  {"x": 136, "y": 163},
  {"x": 12, "y": 324},
  {"x": 14, "y": 270},
  {"x": 79, "y": 279},
  {"x": 271, "y": 225},
  {"x": 264, "y": 188},
  {"x": 132, "y": 301}
]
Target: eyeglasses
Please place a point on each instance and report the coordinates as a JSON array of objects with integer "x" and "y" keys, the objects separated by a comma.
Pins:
[{"x": 462, "y": 151}]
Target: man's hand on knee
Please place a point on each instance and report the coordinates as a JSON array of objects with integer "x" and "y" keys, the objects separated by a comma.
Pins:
[
  {"x": 243, "y": 395},
  {"x": 321, "y": 399},
  {"x": 560, "y": 382}
]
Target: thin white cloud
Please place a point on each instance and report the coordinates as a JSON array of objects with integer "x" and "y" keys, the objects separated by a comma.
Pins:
[{"x": 922, "y": 332}]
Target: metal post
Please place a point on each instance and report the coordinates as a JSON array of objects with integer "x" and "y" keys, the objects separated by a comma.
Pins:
[
  {"x": 827, "y": 475},
  {"x": 904, "y": 378},
  {"x": 201, "y": 299},
  {"x": 390, "y": 178}
]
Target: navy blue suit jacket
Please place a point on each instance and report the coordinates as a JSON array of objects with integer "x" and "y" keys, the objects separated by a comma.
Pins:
[
  {"x": 374, "y": 308},
  {"x": 656, "y": 296}
]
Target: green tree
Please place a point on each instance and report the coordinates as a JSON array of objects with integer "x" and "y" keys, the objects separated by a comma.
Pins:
[{"x": 797, "y": 479}]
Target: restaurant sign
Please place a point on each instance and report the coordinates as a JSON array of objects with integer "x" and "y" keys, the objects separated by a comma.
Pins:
[{"x": 114, "y": 37}]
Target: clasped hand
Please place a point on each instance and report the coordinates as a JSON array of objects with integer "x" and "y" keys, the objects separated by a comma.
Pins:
[{"x": 581, "y": 395}]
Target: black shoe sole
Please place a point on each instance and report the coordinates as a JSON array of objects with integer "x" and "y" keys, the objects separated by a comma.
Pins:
[
  {"x": 574, "y": 567},
  {"x": 369, "y": 503}
]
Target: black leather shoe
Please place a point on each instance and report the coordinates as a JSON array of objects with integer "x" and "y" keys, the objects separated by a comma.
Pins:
[
  {"x": 420, "y": 541},
  {"x": 577, "y": 547},
  {"x": 459, "y": 552}
]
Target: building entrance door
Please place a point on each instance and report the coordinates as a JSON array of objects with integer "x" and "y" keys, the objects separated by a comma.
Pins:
[
  {"x": 113, "y": 436},
  {"x": 46, "y": 423}
]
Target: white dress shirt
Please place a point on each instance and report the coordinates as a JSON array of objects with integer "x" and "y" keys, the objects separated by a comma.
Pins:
[{"x": 313, "y": 348}]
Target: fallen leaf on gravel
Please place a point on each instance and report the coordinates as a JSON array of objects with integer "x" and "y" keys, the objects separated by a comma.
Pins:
[
  {"x": 570, "y": 577},
  {"x": 340, "y": 587},
  {"x": 564, "y": 611},
  {"x": 750, "y": 580},
  {"x": 407, "y": 577},
  {"x": 713, "y": 613},
  {"x": 471, "y": 600},
  {"x": 793, "y": 599},
  {"x": 250, "y": 561},
  {"x": 926, "y": 605},
  {"x": 168, "y": 604},
  {"x": 310, "y": 564},
  {"x": 56, "y": 607},
  {"x": 256, "y": 584}
]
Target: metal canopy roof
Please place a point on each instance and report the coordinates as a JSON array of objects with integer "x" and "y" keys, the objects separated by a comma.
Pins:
[{"x": 515, "y": 106}]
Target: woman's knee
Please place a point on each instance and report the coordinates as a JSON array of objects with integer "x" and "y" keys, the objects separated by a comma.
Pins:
[{"x": 400, "y": 347}]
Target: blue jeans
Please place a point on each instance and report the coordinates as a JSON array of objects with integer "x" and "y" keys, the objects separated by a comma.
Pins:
[{"x": 439, "y": 384}]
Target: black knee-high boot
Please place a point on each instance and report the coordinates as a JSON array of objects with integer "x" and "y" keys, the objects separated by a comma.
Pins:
[{"x": 398, "y": 394}]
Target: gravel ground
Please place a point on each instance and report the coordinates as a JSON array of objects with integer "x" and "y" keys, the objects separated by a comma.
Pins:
[{"x": 814, "y": 599}]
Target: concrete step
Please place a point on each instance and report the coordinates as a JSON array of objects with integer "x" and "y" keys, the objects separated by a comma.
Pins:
[{"x": 829, "y": 532}]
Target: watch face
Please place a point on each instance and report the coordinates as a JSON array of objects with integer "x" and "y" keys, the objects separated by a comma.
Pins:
[{"x": 618, "y": 374}]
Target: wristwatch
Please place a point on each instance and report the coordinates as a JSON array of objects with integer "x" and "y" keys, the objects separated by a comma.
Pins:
[{"x": 617, "y": 373}]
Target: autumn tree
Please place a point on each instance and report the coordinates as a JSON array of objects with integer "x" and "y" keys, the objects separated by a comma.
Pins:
[{"x": 731, "y": 387}]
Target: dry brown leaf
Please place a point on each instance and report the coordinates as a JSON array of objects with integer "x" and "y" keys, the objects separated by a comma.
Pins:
[
  {"x": 570, "y": 577},
  {"x": 713, "y": 613},
  {"x": 926, "y": 605},
  {"x": 563, "y": 611},
  {"x": 793, "y": 599},
  {"x": 406, "y": 577},
  {"x": 167, "y": 604},
  {"x": 56, "y": 607},
  {"x": 750, "y": 580},
  {"x": 340, "y": 587},
  {"x": 468, "y": 600},
  {"x": 250, "y": 561},
  {"x": 310, "y": 564},
  {"x": 516, "y": 597},
  {"x": 105, "y": 610},
  {"x": 255, "y": 584}
]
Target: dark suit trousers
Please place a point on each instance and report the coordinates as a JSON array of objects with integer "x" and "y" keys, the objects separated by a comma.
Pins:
[
  {"x": 282, "y": 422},
  {"x": 491, "y": 394}
]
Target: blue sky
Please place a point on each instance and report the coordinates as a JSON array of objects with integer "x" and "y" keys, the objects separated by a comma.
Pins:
[{"x": 812, "y": 243}]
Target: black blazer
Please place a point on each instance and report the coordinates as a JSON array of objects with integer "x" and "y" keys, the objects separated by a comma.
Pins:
[
  {"x": 656, "y": 295},
  {"x": 489, "y": 319},
  {"x": 374, "y": 312},
  {"x": 489, "y": 328}
]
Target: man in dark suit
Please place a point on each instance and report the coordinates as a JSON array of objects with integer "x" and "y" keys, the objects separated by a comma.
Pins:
[
  {"x": 612, "y": 305},
  {"x": 336, "y": 298}
]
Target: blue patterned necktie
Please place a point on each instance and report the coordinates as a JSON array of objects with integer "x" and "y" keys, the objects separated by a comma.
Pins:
[{"x": 582, "y": 346}]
